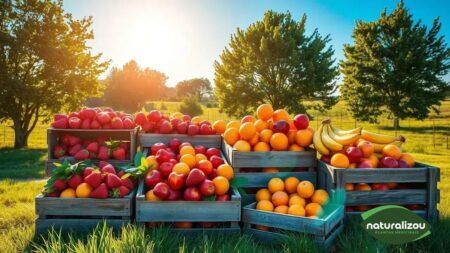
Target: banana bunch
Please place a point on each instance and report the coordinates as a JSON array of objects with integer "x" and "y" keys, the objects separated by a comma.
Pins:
[
  {"x": 329, "y": 139},
  {"x": 381, "y": 140}
]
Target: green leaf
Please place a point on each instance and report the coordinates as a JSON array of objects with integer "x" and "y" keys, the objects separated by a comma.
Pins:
[
  {"x": 239, "y": 182},
  {"x": 138, "y": 158},
  {"x": 210, "y": 198},
  {"x": 144, "y": 162}
]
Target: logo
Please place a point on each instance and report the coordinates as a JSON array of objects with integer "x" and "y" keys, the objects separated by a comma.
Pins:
[{"x": 395, "y": 224}]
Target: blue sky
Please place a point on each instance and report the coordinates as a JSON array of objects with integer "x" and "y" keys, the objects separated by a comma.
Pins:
[{"x": 183, "y": 38}]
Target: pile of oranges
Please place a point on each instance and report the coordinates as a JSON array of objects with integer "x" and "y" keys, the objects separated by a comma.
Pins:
[
  {"x": 270, "y": 130},
  {"x": 291, "y": 196}
]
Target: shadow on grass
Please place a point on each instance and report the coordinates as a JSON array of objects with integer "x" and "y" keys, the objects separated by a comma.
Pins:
[{"x": 22, "y": 163}]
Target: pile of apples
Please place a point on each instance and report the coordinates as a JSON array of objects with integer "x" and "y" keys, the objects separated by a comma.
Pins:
[
  {"x": 73, "y": 146},
  {"x": 94, "y": 118},
  {"x": 180, "y": 171},
  {"x": 156, "y": 122}
]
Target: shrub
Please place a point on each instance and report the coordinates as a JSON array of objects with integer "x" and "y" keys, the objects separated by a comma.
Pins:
[{"x": 191, "y": 106}]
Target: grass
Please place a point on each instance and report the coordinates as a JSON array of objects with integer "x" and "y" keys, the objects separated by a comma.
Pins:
[{"x": 22, "y": 173}]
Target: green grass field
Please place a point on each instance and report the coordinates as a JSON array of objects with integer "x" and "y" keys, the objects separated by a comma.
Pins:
[{"x": 22, "y": 177}]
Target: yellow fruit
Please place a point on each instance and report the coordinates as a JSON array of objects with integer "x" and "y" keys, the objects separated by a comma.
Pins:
[
  {"x": 83, "y": 190},
  {"x": 264, "y": 205},
  {"x": 294, "y": 199},
  {"x": 68, "y": 193},
  {"x": 291, "y": 184},
  {"x": 225, "y": 170},
  {"x": 275, "y": 184},
  {"x": 263, "y": 194},
  {"x": 305, "y": 189},
  {"x": 296, "y": 210}
]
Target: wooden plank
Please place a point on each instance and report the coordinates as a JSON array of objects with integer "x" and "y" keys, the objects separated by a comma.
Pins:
[
  {"x": 400, "y": 197},
  {"x": 210, "y": 141},
  {"x": 75, "y": 225},
  {"x": 329, "y": 241},
  {"x": 334, "y": 218},
  {"x": 357, "y": 215},
  {"x": 432, "y": 194},
  {"x": 199, "y": 231},
  {"x": 260, "y": 179}
]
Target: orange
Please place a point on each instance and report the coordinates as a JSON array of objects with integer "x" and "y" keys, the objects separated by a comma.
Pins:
[
  {"x": 265, "y": 135},
  {"x": 247, "y": 131},
  {"x": 363, "y": 187},
  {"x": 231, "y": 136},
  {"x": 374, "y": 160},
  {"x": 200, "y": 157},
  {"x": 150, "y": 196},
  {"x": 281, "y": 209},
  {"x": 279, "y": 141},
  {"x": 295, "y": 147},
  {"x": 304, "y": 137},
  {"x": 219, "y": 126},
  {"x": 263, "y": 194},
  {"x": 233, "y": 124},
  {"x": 189, "y": 160},
  {"x": 313, "y": 209},
  {"x": 294, "y": 199},
  {"x": 83, "y": 190},
  {"x": 291, "y": 136},
  {"x": 181, "y": 168},
  {"x": 320, "y": 197},
  {"x": 305, "y": 189},
  {"x": 392, "y": 151},
  {"x": 264, "y": 205},
  {"x": 349, "y": 187},
  {"x": 196, "y": 120},
  {"x": 296, "y": 210},
  {"x": 261, "y": 227},
  {"x": 275, "y": 184},
  {"x": 248, "y": 118},
  {"x": 280, "y": 198},
  {"x": 68, "y": 193},
  {"x": 264, "y": 111},
  {"x": 408, "y": 158},
  {"x": 254, "y": 140},
  {"x": 260, "y": 125},
  {"x": 340, "y": 161},
  {"x": 366, "y": 148},
  {"x": 270, "y": 170},
  {"x": 280, "y": 114},
  {"x": 292, "y": 125},
  {"x": 261, "y": 147},
  {"x": 225, "y": 170},
  {"x": 183, "y": 224},
  {"x": 152, "y": 163},
  {"x": 243, "y": 146},
  {"x": 291, "y": 184},
  {"x": 205, "y": 164},
  {"x": 187, "y": 150},
  {"x": 222, "y": 185}
]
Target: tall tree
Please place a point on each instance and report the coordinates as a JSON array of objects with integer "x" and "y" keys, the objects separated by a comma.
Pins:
[
  {"x": 274, "y": 61},
  {"x": 395, "y": 66},
  {"x": 130, "y": 87},
  {"x": 198, "y": 87},
  {"x": 45, "y": 64}
]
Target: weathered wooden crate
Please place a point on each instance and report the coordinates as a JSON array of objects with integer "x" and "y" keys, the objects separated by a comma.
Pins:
[
  {"x": 82, "y": 214},
  {"x": 53, "y": 135},
  {"x": 278, "y": 159},
  {"x": 322, "y": 230},
  {"x": 211, "y": 141},
  {"x": 190, "y": 211},
  {"x": 332, "y": 178}
]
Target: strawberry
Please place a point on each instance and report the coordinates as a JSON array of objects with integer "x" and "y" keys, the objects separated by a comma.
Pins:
[
  {"x": 94, "y": 179},
  {"x": 140, "y": 118},
  {"x": 123, "y": 191},
  {"x": 108, "y": 169},
  {"x": 148, "y": 126},
  {"x": 59, "y": 151},
  {"x": 74, "y": 181},
  {"x": 59, "y": 184},
  {"x": 95, "y": 124},
  {"x": 101, "y": 140},
  {"x": 103, "y": 153},
  {"x": 119, "y": 153},
  {"x": 92, "y": 147},
  {"x": 59, "y": 116},
  {"x": 107, "y": 126},
  {"x": 86, "y": 124},
  {"x": 74, "y": 149},
  {"x": 117, "y": 123},
  {"x": 82, "y": 155},
  {"x": 100, "y": 192},
  {"x": 125, "y": 145},
  {"x": 128, "y": 123},
  {"x": 65, "y": 139},
  {"x": 87, "y": 171},
  {"x": 73, "y": 140},
  {"x": 74, "y": 122},
  {"x": 113, "y": 181},
  {"x": 128, "y": 182},
  {"x": 102, "y": 164},
  {"x": 103, "y": 118},
  {"x": 60, "y": 123}
]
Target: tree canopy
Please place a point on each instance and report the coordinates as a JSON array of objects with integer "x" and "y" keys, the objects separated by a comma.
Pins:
[
  {"x": 130, "y": 87},
  {"x": 198, "y": 87},
  {"x": 273, "y": 61},
  {"x": 395, "y": 66},
  {"x": 45, "y": 64}
]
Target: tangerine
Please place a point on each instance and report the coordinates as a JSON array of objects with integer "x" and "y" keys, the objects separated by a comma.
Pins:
[
  {"x": 260, "y": 125},
  {"x": 187, "y": 150},
  {"x": 294, "y": 199},
  {"x": 340, "y": 161},
  {"x": 189, "y": 160},
  {"x": 83, "y": 190},
  {"x": 279, "y": 141},
  {"x": 264, "y": 111},
  {"x": 222, "y": 185},
  {"x": 392, "y": 151},
  {"x": 264, "y": 205},
  {"x": 280, "y": 114},
  {"x": 304, "y": 137},
  {"x": 280, "y": 198},
  {"x": 265, "y": 135},
  {"x": 291, "y": 184},
  {"x": 181, "y": 168},
  {"x": 313, "y": 209},
  {"x": 275, "y": 184},
  {"x": 263, "y": 194},
  {"x": 296, "y": 210},
  {"x": 305, "y": 189},
  {"x": 247, "y": 131},
  {"x": 281, "y": 209},
  {"x": 320, "y": 197},
  {"x": 219, "y": 126},
  {"x": 225, "y": 170},
  {"x": 242, "y": 145},
  {"x": 233, "y": 124},
  {"x": 231, "y": 136},
  {"x": 68, "y": 193},
  {"x": 261, "y": 147}
]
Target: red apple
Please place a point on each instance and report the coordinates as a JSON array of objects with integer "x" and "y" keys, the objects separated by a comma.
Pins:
[
  {"x": 152, "y": 178},
  {"x": 193, "y": 130},
  {"x": 205, "y": 129},
  {"x": 154, "y": 116},
  {"x": 207, "y": 188},
  {"x": 402, "y": 164},
  {"x": 195, "y": 177},
  {"x": 165, "y": 168},
  {"x": 192, "y": 194},
  {"x": 174, "y": 144},
  {"x": 388, "y": 162},
  {"x": 156, "y": 147},
  {"x": 354, "y": 154},
  {"x": 176, "y": 181},
  {"x": 163, "y": 156},
  {"x": 205, "y": 166},
  {"x": 166, "y": 127},
  {"x": 224, "y": 197},
  {"x": 365, "y": 164},
  {"x": 216, "y": 161},
  {"x": 380, "y": 187},
  {"x": 212, "y": 151},
  {"x": 200, "y": 149},
  {"x": 301, "y": 121},
  {"x": 174, "y": 195},
  {"x": 175, "y": 122},
  {"x": 173, "y": 161},
  {"x": 213, "y": 174},
  {"x": 281, "y": 126},
  {"x": 186, "y": 117},
  {"x": 207, "y": 224},
  {"x": 325, "y": 158},
  {"x": 161, "y": 190},
  {"x": 182, "y": 128}
]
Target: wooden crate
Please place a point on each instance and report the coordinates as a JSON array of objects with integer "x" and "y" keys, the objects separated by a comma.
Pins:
[
  {"x": 210, "y": 141},
  {"x": 331, "y": 178},
  {"x": 278, "y": 159},
  {"x": 190, "y": 211},
  {"x": 53, "y": 134},
  {"x": 322, "y": 230},
  {"x": 82, "y": 214}
]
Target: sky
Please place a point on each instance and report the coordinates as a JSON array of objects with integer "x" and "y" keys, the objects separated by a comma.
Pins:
[{"x": 183, "y": 38}]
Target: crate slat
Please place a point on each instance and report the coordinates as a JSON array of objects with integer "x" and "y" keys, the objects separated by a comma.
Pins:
[
  {"x": 404, "y": 197},
  {"x": 260, "y": 179},
  {"x": 75, "y": 225},
  {"x": 210, "y": 141}
]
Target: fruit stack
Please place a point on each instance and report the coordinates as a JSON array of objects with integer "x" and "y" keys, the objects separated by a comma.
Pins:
[
  {"x": 94, "y": 118},
  {"x": 181, "y": 174}
]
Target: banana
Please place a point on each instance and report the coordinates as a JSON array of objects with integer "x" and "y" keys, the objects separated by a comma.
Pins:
[
  {"x": 379, "y": 147},
  {"x": 318, "y": 144},
  {"x": 345, "y": 132},
  {"x": 380, "y": 138},
  {"x": 343, "y": 139},
  {"x": 328, "y": 141}
]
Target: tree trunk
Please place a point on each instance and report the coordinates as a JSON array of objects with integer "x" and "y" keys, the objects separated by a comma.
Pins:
[
  {"x": 20, "y": 137},
  {"x": 396, "y": 123}
]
